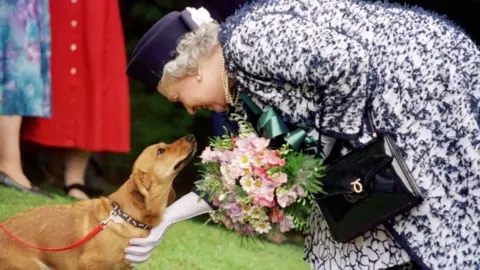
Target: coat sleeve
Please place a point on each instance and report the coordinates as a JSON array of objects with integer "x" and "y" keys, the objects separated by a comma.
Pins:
[{"x": 282, "y": 48}]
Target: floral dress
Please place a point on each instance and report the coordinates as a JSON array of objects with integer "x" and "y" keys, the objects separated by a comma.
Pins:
[
  {"x": 25, "y": 58},
  {"x": 323, "y": 63}
]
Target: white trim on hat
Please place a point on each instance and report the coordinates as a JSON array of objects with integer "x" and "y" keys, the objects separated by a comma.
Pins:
[{"x": 199, "y": 16}]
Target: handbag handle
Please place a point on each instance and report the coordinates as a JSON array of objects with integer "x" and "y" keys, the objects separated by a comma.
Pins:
[{"x": 370, "y": 124}]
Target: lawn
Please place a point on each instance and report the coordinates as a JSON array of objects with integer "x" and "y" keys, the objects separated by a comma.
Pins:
[{"x": 189, "y": 245}]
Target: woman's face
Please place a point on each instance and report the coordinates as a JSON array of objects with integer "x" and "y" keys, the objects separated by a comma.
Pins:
[{"x": 201, "y": 91}]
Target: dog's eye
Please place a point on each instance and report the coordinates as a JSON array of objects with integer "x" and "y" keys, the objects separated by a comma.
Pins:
[{"x": 160, "y": 151}]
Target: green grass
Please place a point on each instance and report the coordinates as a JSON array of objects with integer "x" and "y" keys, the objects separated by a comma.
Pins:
[{"x": 189, "y": 245}]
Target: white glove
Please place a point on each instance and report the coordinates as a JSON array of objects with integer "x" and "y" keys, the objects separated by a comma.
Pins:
[{"x": 188, "y": 206}]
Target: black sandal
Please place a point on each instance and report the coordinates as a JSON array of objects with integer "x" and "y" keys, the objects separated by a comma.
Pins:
[
  {"x": 5, "y": 180},
  {"x": 90, "y": 192}
]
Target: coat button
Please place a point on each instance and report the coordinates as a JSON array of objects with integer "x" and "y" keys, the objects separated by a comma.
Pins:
[
  {"x": 73, "y": 71},
  {"x": 73, "y": 47},
  {"x": 73, "y": 23}
]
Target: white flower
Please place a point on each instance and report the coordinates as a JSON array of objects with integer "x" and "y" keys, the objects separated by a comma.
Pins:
[
  {"x": 258, "y": 213},
  {"x": 200, "y": 16},
  {"x": 262, "y": 227},
  {"x": 247, "y": 183},
  {"x": 227, "y": 179}
]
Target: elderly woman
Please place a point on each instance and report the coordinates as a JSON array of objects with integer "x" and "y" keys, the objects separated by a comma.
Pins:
[{"x": 322, "y": 64}]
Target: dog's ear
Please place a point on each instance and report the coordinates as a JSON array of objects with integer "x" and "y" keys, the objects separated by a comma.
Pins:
[
  {"x": 171, "y": 196},
  {"x": 143, "y": 182}
]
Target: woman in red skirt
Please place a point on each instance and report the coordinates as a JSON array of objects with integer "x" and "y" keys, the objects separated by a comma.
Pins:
[{"x": 90, "y": 97}]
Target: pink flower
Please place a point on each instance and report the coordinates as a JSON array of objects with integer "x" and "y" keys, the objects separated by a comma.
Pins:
[
  {"x": 279, "y": 178},
  {"x": 259, "y": 144},
  {"x": 286, "y": 224},
  {"x": 260, "y": 172},
  {"x": 225, "y": 156},
  {"x": 267, "y": 192},
  {"x": 252, "y": 143},
  {"x": 273, "y": 159},
  {"x": 243, "y": 144},
  {"x": 282, "y": 198},
  {"x": 264, "y": 196},
  {"x": 235, "y": 212},
  {"x": 285, "y": 198},
  {"x": 221, "y": 156},
  {"x": 235, "y": 171},
  {"x": 297, "y": 191},
  {"x": 261, "y": 201},
  {"x": 260, "y": 157},
  {"x": 207, "y": 155},
  {"x": 276, "y": 216}
]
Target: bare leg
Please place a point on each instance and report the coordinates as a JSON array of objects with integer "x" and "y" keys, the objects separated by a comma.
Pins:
[
  {"x": 10, "y": 159},
  {"x": 75, "y": 167}
]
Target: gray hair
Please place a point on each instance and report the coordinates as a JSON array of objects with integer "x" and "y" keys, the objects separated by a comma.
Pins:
[{"x": 190, "y": 47}]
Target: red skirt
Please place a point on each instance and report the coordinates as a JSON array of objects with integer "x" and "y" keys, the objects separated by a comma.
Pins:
[{"x": 90, "y": 94}]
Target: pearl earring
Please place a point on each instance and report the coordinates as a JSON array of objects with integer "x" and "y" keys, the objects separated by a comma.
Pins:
[{"x": 199, "y": 78}]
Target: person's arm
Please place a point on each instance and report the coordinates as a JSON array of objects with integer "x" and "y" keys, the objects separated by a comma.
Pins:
[{"x": 188, "y": 206}]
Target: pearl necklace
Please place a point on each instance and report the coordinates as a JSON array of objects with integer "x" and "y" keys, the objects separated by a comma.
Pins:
[{"x": 224, "y": 77}]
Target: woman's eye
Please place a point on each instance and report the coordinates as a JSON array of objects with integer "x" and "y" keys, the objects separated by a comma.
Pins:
[{"x": 160, "y": 151}]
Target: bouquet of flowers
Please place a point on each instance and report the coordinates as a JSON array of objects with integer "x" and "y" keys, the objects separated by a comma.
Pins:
[{"x": 256, "y": 188}]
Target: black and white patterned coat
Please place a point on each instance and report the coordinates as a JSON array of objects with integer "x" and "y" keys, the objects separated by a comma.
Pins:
[{"x": 322, "y": 63}]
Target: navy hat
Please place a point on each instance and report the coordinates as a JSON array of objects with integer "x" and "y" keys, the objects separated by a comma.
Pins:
[{"x": 158, "y": 45}]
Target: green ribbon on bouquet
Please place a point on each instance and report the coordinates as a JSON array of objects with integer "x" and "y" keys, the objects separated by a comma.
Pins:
[{"x": 270, "y": 125}]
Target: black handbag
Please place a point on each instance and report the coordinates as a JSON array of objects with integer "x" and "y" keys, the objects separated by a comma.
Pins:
[{"x": 365, "y": 188}]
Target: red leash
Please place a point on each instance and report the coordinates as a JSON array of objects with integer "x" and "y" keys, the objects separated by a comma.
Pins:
[{"x": 82, "y": 241}]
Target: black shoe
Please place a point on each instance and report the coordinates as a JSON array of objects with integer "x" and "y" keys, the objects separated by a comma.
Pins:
[
  {"x": 8, "y": 182},
  {"x": 90, "y": 192}
]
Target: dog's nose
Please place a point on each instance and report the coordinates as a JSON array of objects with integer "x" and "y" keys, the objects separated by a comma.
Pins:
[{"x": 190, "y": 138}]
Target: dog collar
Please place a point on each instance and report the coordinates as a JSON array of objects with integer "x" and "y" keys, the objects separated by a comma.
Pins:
[{"x": 118, "y": 212}]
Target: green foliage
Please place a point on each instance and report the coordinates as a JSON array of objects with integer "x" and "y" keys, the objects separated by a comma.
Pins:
[
  {"x": 245, "y": 127},
  {"x": 212, "y": 182},
  {"x": 223, "y": 142},
  {"x": 242, "y": 195},
  {"x": 300, "y": 211},
  {"x": 304, "y": 170}
]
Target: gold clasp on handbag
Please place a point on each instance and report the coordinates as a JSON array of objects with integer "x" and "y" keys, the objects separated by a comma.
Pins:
[{"x": 357, "y": 186}]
